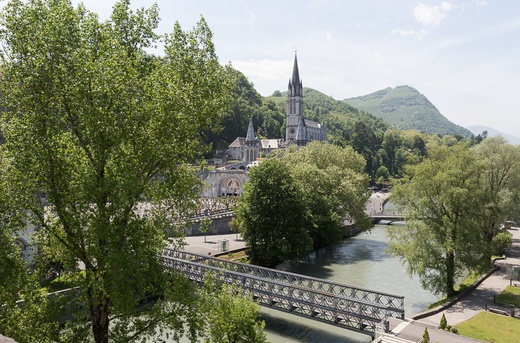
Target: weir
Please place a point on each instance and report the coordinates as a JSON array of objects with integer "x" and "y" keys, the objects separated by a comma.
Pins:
[{"x": 345, "y": 306}]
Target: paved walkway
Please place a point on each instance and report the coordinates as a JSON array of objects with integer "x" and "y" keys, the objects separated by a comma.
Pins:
[{"x": 484, "y": 294}]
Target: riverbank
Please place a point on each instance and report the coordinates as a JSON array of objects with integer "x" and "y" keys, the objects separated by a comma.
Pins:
[
  {"x": 479, "y": 297},
  {"x": 212, "y": 244},
  {"x": 482, "y": 295}
]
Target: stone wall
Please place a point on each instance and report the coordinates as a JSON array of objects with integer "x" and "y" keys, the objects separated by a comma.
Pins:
[{"x": 219, "y": 226}]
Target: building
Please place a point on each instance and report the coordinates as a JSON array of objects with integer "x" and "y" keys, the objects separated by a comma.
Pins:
[{"x": 298, "y": 130}]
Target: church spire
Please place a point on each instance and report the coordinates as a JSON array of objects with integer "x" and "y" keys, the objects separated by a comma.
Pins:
[
  {"x": 250, "y": 138},
  {"x": 295, "y": 84}
]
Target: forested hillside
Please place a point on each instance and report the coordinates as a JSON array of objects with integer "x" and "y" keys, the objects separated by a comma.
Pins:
[
  {"x": 339, "y": 117},
  {"x": 385, "y": 149},
  {"x": 405, "y": 108}
]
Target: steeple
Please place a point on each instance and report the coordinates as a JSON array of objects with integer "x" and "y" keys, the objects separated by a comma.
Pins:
[
  {"x": 295, "y": 84},
  {"x": 250, "y": 138}
]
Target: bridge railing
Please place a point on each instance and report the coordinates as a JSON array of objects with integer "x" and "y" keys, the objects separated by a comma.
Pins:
[
  {"x": 392, "y": 302},
  {"x": 339, "y": 310}
]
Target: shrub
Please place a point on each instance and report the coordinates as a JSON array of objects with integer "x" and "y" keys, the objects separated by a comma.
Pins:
[
  {"x": 425, "y": 336},
  {"x": 443, "y": 323},
  {"x": 500, "y": 242},
  {"x": 454, "y": 330}
]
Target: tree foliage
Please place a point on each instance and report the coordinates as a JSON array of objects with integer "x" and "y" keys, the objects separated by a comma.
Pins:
[
  {"x": 16, "y": 281},
  {"x": 231, "y": 316},
  {"x": 456, "y": 202},
  {"x": 500, "y": 180},
  {"x": 300, "y": 199},
  {"x": 99, "y": 135},
  {"x": 441, "y": 202},
  {"x": 271, "y": 214},
  {"x": 333, "y": 185}
]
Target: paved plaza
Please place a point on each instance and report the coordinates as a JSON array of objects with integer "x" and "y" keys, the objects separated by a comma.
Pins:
[{"x": 212, "y": 244}]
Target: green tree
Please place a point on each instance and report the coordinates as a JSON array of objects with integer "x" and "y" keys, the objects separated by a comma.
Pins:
[
  {"x": 364, "y": 142},
  {"x": 231, "y": 316},
  {"x": 246, "y": 102},
  {"x": 444, "y": 323},
  {"x": 16, "y": 281},
  {"x": 99, "y": 134},
  {"x": 271, "y": 214},
  {"x": 334, "y": 188},
  {"x": 500, "y": 180},
  {"x": 425, "y": 336},
  {"x": 442, "y": 206},
  {"x": 382, "y": 174},
  {"x": 390, "y": 145},
  {"x": 205, "y": 226}
]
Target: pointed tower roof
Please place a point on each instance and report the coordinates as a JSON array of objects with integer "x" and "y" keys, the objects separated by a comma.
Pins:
[
  {"x": 295, "y": 84},
  {"x": 295, "y": 71},
  {"x": 250, "y": 131}
]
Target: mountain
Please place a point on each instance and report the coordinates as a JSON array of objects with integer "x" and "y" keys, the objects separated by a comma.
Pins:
[
  {"x": 405, "y": 108},
  {"x": 478, "y": 129}
]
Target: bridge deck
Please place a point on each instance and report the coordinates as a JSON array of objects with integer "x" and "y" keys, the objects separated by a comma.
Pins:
[{"x": 346, "y": 306}]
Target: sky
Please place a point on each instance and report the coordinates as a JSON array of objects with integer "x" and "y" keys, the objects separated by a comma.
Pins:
[{"x": 463, "y": 55}]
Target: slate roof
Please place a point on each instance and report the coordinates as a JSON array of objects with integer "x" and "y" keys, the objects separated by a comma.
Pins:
[
  {"x": 270, "y": 143},
  {"x": 238, "y": 142},
  {"x": 310, "y": 123}
]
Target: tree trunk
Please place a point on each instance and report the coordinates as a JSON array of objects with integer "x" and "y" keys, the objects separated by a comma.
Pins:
[
  {"x": 100, "y": 320},
  {"x": 450, "y": 272}
]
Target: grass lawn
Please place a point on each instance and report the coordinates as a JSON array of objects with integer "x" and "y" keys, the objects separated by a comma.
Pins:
[
  {"x": 510, "y": 295},
  {"x": 490, "y": 327},
  {"x": 239, "y": 256},
  {"x": 60, "y": 283}
]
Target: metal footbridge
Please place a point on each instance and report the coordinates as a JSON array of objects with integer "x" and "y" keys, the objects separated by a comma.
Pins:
[{"x": 345, "y": 306}]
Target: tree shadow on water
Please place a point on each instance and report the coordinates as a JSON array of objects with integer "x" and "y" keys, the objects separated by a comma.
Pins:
[
  {"x": 297, "y": 330},
  {"x": 320, "y": 263}
]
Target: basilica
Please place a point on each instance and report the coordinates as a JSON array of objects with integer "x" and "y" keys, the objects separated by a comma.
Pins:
[
  {"x": 244, "y": 151},
  {"x": 298, "y": 130}
]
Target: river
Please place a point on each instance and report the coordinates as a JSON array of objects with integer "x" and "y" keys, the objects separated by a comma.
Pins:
[{"x": 359, "y": 261}]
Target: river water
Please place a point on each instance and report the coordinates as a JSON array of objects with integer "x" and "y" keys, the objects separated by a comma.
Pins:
[{"x": 358, "y": 261}]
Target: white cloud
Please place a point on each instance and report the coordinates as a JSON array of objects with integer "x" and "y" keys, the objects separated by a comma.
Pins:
[
  {"x": 404, "y": 32},
  {"x": 429, "y": 15},
  {"x": 252, "y": 18},
  {"x": 265, "y": 73},
  {"x": 481, "y": 3},
  {"x": 328, "y": 37}
]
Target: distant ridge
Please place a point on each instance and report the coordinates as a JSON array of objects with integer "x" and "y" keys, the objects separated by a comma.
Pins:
[
  {"x": 405, "y": 108},
  {"x": 478, "y": 129}
]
